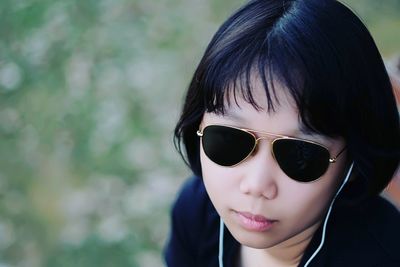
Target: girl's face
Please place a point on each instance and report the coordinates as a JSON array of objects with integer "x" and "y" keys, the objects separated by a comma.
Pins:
[{"x": 257, "y": 186}]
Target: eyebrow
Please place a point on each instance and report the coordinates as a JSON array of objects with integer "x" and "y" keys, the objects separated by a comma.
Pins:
[{"x": 233, "y": 115}]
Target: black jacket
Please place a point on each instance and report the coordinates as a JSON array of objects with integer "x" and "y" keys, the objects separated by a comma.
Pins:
[{"x": 367, "y": 235}]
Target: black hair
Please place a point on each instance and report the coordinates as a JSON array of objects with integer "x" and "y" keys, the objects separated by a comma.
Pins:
[{"x": 327, "y": 61}]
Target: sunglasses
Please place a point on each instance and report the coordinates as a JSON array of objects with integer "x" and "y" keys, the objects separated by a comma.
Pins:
[{"x": 301, "y": 160}]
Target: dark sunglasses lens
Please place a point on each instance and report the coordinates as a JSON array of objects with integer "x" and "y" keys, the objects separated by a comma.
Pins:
[
  {"x": 301, "y": 161},
  {"x": 226, "y": 146}
]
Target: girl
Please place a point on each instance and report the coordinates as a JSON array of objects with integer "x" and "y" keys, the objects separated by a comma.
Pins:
[{"x": 291, "y": 129}]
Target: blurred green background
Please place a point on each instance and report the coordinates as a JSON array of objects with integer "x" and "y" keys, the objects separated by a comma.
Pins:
[{"x": 89, "y": 94}]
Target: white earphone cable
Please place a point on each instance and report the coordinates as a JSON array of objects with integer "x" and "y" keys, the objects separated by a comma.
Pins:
[
  {"x": 327, "y": 217},
  {"x": 221, "y": 243}
]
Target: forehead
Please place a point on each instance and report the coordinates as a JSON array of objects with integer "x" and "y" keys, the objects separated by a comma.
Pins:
[{"x": 283, "y": 118}]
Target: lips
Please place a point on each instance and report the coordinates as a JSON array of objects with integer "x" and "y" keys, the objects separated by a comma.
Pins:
[
  {"x": 254, "y": 222},
  {"x": 257, "y": 218}
]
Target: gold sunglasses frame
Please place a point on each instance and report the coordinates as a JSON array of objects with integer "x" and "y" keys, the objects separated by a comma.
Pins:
[{"x": 264, "y": 135}]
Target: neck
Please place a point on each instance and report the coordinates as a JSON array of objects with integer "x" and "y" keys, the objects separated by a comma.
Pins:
[{"x": 287, "y": 253}]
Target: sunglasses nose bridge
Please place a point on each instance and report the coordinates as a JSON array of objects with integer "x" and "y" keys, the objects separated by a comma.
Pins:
[{"x": 269, "y": 139}]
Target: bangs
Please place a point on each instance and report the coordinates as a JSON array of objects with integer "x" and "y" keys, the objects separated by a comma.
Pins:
[
  {"x": 235, "y": 71},
  {"x": 288, "y": 49}
]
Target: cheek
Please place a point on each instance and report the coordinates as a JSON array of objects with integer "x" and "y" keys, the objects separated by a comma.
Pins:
[
  {"x": 307, "y": 202},
  {"x": 312, "y": 198},
  {"x": 220, "y": 182}
]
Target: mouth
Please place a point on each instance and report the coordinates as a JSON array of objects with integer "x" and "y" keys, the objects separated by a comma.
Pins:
[{"x": 254, "y": 222}]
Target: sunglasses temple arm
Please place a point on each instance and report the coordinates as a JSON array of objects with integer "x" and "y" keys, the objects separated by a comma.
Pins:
[{"x": 332, "y": 160}]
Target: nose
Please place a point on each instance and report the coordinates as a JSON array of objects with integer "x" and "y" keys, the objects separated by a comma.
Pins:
[{"x": 259, "y": 178}]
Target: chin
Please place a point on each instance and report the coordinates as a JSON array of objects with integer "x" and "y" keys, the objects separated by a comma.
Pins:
[
  {"x": 258, "y": 243},
  {"x": 255, "y": 239}
]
